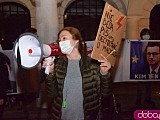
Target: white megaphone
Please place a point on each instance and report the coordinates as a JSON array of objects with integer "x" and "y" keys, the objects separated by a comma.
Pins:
[{"x": 29, "y": 51}]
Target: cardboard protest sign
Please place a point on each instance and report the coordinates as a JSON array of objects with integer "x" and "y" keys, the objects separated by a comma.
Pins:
[{"x": 109, "y": 34}]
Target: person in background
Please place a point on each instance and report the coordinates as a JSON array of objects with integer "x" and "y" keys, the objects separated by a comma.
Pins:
[
  {"x": 145, "y": 35},
  {"x": 76, "y": 82},
  {"x": 24, "y": 75},
  {"x": 4, "y": 78},
  {"x": 31, "y": 30}
]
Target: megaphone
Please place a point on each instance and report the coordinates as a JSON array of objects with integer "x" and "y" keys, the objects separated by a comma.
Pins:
[{"x": 30, "y": 51}]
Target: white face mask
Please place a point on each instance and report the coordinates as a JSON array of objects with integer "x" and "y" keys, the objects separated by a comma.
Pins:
[
  {"x": 66, "y": 47},
  {"x": 146, "y": 37}
]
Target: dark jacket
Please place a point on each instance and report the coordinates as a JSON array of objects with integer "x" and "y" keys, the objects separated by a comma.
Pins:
[
  {"x": 146, "y": 71},
  {"x": 94, "y": 85},
  {"x": 4, "y": 74}
]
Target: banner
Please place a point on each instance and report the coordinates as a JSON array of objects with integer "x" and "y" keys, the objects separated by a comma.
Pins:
[
  {"x": 144, "y": 59},
  {"x": 13, "y": 71},
  {"x": 109, "y": 34},
  {"x": 133, "y": 64},
  {"x": 89, "y": 45}
]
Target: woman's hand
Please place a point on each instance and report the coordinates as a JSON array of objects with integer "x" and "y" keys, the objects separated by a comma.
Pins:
[
  {"x": 45, "y": 64},
  {"x": 105, "y": 65}
]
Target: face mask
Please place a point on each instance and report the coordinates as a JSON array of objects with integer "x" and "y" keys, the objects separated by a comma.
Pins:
[
  {"x": 66, "y": 47},
  {"x": 146, "y": 37}
]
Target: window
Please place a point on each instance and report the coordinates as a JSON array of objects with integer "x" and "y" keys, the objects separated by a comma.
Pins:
[
  {"x": 86, "y": 16},
  {"x": 14, "y": 19}
]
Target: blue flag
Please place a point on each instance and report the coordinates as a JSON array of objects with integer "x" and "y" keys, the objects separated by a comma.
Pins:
[{"x": 136, "y": 58}]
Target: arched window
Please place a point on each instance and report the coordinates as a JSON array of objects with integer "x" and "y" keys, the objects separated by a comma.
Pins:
[
  {"x": 86, "y": 16},
  {"x": 14, "y": 19}
]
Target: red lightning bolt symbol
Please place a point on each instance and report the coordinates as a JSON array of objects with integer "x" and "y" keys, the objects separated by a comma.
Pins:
[{"x": 119, "y": 22}]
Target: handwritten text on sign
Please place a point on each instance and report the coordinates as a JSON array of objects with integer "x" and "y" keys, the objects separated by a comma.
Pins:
[{"x": 109, "y": 34}]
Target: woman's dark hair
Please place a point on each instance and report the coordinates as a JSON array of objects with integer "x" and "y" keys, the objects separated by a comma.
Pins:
[
  {"x": 76, "y": 35},
  {"x": 144, "y": 31},
  {"x": 31, "y": 30}
]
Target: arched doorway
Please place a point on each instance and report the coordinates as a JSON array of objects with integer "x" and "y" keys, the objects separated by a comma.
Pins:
[
  {"x": 86, "y": 16},
  {"x": 14, "y": 20}
]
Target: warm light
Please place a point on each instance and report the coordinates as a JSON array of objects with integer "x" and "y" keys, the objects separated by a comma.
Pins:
[{"x": 65, "y": 16}]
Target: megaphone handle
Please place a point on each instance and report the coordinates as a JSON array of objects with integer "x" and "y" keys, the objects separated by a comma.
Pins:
[{"x": 49, "y": 59}]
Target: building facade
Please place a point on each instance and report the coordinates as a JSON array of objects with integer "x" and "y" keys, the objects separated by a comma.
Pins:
[{"x": 49, "y": 16}]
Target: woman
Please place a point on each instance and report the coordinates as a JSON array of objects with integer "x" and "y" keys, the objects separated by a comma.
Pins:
[{"x": 76, "y": 82}]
